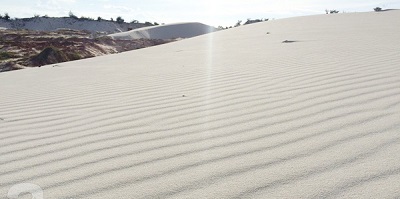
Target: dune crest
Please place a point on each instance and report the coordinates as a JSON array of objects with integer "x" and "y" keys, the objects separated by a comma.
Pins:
[{"x": 169, "y": 31}]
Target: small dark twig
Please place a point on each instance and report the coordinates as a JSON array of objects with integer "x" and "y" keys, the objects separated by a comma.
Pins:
[{"x": 288, "y": 41}]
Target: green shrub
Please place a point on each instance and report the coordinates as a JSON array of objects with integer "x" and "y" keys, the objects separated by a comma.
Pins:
[
  {"x": 5, "y": 17},
  {"x": 83, "y": 18},
  {"x": 120, "y": 20}
]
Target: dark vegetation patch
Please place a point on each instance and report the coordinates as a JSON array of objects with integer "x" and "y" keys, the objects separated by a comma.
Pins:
[
  {"x": 25, "y": 48},
  {"x": 49, "y": 55},
  {"x": 7, "y": 55}
]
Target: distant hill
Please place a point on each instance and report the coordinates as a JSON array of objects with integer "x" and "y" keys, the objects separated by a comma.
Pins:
[{"x": 53, "y": 23}]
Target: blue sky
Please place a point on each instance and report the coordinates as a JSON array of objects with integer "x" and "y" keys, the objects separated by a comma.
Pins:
[{"x": 212, "y": 12}]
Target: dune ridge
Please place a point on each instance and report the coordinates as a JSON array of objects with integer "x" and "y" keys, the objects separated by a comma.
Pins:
[
  {"x": 168, "y": 31},
  {"x": 231, "y": 114},
  {"x": 55, "y": 23}
]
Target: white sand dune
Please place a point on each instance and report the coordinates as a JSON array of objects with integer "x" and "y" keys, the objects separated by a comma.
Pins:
[
  {"x": 231, "y": 114},
  {"x": 169, "y": 31}
]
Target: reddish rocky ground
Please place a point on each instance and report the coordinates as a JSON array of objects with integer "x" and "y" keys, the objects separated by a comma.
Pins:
[{"x": 26, "y": 48}]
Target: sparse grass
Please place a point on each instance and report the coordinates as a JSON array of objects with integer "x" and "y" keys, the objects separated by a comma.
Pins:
[
  {"x": 7, "y": 55},
  {"x": 74, "y": 56}
]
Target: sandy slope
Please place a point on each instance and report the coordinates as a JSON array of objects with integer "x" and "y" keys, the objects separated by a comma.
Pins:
[
  {"x": 169, "y": 31},
  {"x": 233, "y": 114}
]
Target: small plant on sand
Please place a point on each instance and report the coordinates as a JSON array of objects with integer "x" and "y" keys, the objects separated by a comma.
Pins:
[
  {"x": 250, "y": 21},
  {"x": 377, "y": 9},
  {"x": 331, "y": 11},
  {"x": 239, "y": 23}
]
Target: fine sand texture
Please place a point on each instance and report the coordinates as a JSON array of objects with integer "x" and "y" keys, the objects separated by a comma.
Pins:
[
  {"x": 305, "y": 107},
  {"x": 169, "y": 31}
]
